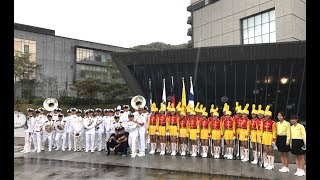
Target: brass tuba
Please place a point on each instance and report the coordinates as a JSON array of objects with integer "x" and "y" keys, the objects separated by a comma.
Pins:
[
  {"x": 138, "y": 101},
  {"x": 50, "y": 104}
]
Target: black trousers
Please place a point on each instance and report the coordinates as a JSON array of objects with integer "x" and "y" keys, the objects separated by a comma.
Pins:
[{"x": 121, "y": 148}]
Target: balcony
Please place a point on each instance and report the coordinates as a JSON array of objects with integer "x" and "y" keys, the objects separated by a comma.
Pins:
[
  {"x": 189, "y": 20},
  {"x": 195, "y": 6},
  {"x": 189, "y": 32}
]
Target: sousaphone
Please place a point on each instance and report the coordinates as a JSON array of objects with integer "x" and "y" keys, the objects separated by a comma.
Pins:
[
  {"x": 50, "y": 104},
  {"x": 138, "y": 102}
]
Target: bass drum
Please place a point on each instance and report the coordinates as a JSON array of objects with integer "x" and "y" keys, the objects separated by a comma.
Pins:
[{"x": 19, "y": 119}]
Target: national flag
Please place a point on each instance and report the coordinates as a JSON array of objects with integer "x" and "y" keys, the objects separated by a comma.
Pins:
[
  {"x": 183, "y": 96},
  {"x": 173, "y": 98},
  {"x": 191, "y": 95},
  {"x": 164, "y": 96},
  {"x": 150, "y": 94}
]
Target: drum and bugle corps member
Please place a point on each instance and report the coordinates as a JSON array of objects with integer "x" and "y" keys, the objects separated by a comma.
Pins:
[
  {"x": 237, "y": 118},
  {"x": 131, "y": 127},
  {"x": 229, "y": 132},
  {"x": 269, "y": 137},
  {"x": 283, "y": 141},
  {"x": 37, "y": 132},
  {"x": 261, "y": 155},
  {"x": 59, "y": 126},
  {"x": 47, "y": 129},
  {"x": 89, "y": 124},
  {"x": 78, "y": 132},
  {"x": 216, "y": 127},
  {"x": 162, "y": 129},
  {"x": 141, "y": 120},
  {"x": 253, "y": 133},
  {"x": 66, "y": 131},
  {"x": 173, "y": 129},
  {"x": 298, "y": 143},
  {"x": 204, "y": 132},
  {"x": 153, "y": 125},
  {"x": 99, "y": 130},
  {"x": 194, "y": 130},
  {"x": 244, "y": 130},
  {"x": 183, "y": 131}
]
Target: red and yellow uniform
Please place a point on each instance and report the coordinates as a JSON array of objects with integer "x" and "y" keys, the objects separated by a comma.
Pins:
[
  {"x": 259, "y": 129},
  {"x": 269, "y": 132},
  {"x": 163, "y": 125},
  {"x": 173, "y": 125},
  {"x": 229, "y": 127},
  {"x": 183, "y": 129},
  {"x": 216, "y": 127},
  {"x": 194, "y": 128},
  {"x": 153, "y": 124},
  {"x": 237, "y": 121},
  {"x": 244, "y": 128},
  {"x": 253, "y": 129},
  {"x": 204, "y": 129}
]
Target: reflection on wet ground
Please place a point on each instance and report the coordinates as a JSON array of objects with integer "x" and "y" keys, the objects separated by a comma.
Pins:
[{"x": 36, "y": 168}]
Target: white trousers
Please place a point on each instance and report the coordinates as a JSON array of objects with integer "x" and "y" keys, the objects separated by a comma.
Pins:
[
  {"x": 90, "y": 141},
  {"x": 49, "y": 137},
  {"x": 53, "y": 137},
  {"x": 77, "y": 142},
  {"x": 98, "y": 140},
  {"x": 70, "y": 139},
  {"x": 132, "y": 141},
  {"x": 58, "y": 138},
  {"x": 142, "y": 139},
  {"x": 27, "y": 145},
  {"x": 37, "y": 141}
]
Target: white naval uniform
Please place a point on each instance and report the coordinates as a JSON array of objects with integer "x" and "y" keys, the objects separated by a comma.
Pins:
[
  {"x": 43, "y": 119},
  {"x": 28, "y": 133},
  {"x": 47, "y": 134},
  {"x": 99, "y": 129},
  {"x": 133, "y": 136},
  {"x": 108, "y": 126},
  {"x": 54, "y": 119},
  {"x": 78, "y": 128},
  {"x": 70, "y": 130},
  {"x": 59, "y": 133},
  {"x": 124, "y": 117},
  {"x": 141, "y": 118},
  {"x": 38, "y": 123},
  {"x": 89, "y": 123},
  {"x": 66, "y": 132}
]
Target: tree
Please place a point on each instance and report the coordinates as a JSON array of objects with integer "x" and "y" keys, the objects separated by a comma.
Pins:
[
  {"x": 159, "y": 46},
  {"x": 87, "y": 88},
  {"x": 24, "y": 70}
]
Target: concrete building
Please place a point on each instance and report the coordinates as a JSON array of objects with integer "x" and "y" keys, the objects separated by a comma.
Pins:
[
  {"x": 62, "y": 61},
  {"x": 234, "y": 22}
]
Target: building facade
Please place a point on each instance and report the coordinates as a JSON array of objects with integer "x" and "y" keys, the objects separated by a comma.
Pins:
[
  {"x": 234, "y": 22},
  {"x": 62, "y": 61}
]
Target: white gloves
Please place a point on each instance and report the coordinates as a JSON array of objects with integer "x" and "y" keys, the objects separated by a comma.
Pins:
[
  {"x": 157, "y": 133},
  {"x": 273, "y": 143},
  {"x": 234, "y": 138},
  {"x": 167, "y": 133}
]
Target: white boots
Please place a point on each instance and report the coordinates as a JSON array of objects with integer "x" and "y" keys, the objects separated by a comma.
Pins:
[
  {"x": 265, "y": 160},
  {"x": 242, "y": 153},
  {"x": 153, "y": 148},
  {"x": 216, "y": 152},
  {"x": 270, "y": 162},
  {"x": 163, "y": 148},
  {"x": 255, "y": 158},
  {"x": 229, "y": 153},
  {"x": 245, "y": 155},
  {"x": 173, "y": 149},
  {"x": 194, "y": 151},
  {"x": 183, "y": 149},
  {"x": 205, "y": 151}
]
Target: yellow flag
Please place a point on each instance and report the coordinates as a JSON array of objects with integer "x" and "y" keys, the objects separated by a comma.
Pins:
[{"x": 184, "y": 96}]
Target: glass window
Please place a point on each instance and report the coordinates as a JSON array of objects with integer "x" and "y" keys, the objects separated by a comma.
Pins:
[
  {"x": 251, "y": 32},
  {"x": 260, "y": 24},
  {"x": 265, "y": 17},
  {"x": 272, "y": 26},
  {"x": 265, "y": 28},
  {"x": 251, "y": 22},
  {"x": 257, "y": 19},
  {"x": 265, "y": 38},
  {"x": 272, "y": 15},
  {"x": 244, "y": 24},
  {"x": 273, "y": 37},
  {"x": 258, "y": 39},
  {"x": 257, "y": 31},
  {"x": 26, "y": 48}
]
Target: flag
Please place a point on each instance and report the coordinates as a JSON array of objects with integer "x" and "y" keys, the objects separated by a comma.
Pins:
[
  {"x": 164, "y": 96},
  {"x": 173, "y": 98},
  {"x": 191, "y": 95},
  {"x": 183, "y": 97},
  {"x": 150, "y": 94}
]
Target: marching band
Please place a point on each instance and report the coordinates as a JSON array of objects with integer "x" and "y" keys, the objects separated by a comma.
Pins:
[{"x": 179, "y": 130}]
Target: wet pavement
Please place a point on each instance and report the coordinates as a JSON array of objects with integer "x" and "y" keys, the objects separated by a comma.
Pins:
[{"x": 33, "y": 168}]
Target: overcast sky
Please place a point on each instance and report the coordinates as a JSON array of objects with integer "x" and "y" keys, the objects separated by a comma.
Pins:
[{"x": 124, "y": 23}]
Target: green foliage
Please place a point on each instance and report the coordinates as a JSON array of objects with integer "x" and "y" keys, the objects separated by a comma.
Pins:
[
  {"x": 159, "y": 46},
  {"x": 23, "y": 68},
  {"x": 87, "y": 88},
  {"x": 38, "y": 101}
]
